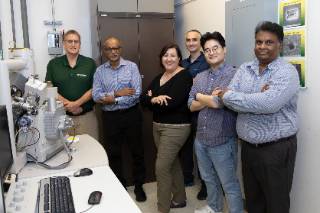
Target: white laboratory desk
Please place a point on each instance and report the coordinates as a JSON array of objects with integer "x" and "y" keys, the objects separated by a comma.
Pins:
[
  {"x": 22, "y": 195},
  {"x": 86, "y": 153}
]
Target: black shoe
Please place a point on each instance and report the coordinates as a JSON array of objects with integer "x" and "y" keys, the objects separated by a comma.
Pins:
[
  {"x": 188, "y": 183},
  {"x": 140, "y": 194},
  {"x": 178, "y": 205},
  {"x": 188, "y": 180},
  {"x": 202, "y": 195}
]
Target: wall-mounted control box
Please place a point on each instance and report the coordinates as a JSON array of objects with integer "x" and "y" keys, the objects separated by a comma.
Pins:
[{"x": 55, "y": 43}]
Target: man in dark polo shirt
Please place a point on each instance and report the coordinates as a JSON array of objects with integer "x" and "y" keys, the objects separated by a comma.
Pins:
[
  {"x": 196, "y": 61},
  {"x": 73, "y": 74},
  {"x": 195, "y": 64}
]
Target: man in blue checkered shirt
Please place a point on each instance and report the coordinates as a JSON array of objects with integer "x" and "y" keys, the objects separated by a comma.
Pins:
[
  {"x": 264, "y": 92},
  {"x": 117, "y": 87}
]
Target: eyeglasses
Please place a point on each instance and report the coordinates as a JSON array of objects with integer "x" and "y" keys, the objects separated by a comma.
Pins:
[
  {"x": 110, "y": 49},
  {"x": 72, "y": 41},
  {"x": 214, "y": 49}
]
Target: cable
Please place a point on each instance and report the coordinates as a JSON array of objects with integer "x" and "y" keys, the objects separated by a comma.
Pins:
[
  {"x": 35, "y": 141},
  {"x": 27, "y": 144},
  {"x": 60, "y": 166},
  {"x": 53, "y": 15},
  {"x": 15, "y": 137},
  {"x": 86, "y": 209}
]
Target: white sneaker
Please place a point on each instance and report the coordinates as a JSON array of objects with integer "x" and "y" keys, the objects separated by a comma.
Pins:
[{"x": 205, "y": 209}]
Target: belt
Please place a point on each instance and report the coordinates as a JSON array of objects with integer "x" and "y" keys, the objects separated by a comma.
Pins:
[
  {"x": 123, "y": 110},
  {"x": 172, "y": 125},
  {"x": 258, "y": 145}
]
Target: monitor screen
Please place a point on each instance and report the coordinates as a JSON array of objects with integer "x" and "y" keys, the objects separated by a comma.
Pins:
[{"x": 6, "y": 158}]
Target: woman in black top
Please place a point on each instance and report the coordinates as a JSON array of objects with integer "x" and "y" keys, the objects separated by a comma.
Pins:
[{"x": 167, "y": 97}]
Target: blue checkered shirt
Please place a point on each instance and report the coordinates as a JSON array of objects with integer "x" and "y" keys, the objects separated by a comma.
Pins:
[
  {"x": 214, "y": 126},
  {"x": 107, "y": 80},
  {"x": 269, "y": 115}
]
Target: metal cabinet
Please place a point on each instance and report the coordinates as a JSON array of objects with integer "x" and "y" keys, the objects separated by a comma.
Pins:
[
  {"x": 142, "y": 36},
  {"x": 242, "y": 16},
  {"x": 155, "y": 6}
]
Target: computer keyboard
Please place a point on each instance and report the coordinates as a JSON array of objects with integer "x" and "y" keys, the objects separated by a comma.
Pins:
[{"x": 55, "y": 195}]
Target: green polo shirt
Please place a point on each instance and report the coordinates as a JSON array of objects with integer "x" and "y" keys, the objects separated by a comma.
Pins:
[{"x": 73, "y": 82}]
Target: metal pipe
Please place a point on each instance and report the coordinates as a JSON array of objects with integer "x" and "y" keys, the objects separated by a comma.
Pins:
[
  {"x": 6, "y": 27},
  {"x": 25, "y": 28},
  {"x": 13, "y": 24}
]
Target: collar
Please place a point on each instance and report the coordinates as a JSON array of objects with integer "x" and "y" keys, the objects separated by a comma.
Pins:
[
  {"x": 254, "y": 65},
  {"x": 66, "y": 62},
  {"x": 218, "y": 70},
  {"x": 122, "y": 63},
  {"x": 199, "y": 59}
]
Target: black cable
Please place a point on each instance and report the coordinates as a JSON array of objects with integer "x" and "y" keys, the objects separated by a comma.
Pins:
[
  {"x": 61, "y": 166},
  {"x": 32, "y": 128},
  {"x": 27, "y": 144}
]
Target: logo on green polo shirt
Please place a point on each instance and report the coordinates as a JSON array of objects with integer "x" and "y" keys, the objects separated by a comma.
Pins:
[{"x": 81, "y": 75}]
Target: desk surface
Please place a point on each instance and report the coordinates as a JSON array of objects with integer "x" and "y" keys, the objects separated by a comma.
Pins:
[
  {"x": 22, "y": 195},
  {"x": 87, "y": 153}
]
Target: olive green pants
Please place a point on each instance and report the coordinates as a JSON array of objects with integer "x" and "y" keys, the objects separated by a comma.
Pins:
[{"x": 169, "y": 139}]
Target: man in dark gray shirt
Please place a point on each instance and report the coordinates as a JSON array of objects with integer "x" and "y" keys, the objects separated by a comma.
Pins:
[{"x": 195, "y": 63}]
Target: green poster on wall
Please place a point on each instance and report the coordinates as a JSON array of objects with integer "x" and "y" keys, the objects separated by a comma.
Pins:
[{"x": 292, "y": 13}]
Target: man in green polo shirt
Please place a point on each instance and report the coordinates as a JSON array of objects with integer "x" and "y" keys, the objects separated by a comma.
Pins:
[{"x": 73, "y": 74}]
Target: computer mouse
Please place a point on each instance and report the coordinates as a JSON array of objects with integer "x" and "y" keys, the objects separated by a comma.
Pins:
[
  {"x": 95, "y": 197},
  {"x": 83, "y": 172}
]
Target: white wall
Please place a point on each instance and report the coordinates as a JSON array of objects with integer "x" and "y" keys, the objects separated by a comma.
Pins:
[
  {"x": 204, "y": 15},
  {"x": 306, "y": 183},
  {"x": 74, "y": 14},
  {"x": 208, "y": 15}
]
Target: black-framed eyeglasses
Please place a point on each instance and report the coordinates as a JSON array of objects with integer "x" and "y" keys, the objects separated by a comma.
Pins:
[{"x": 213, "y": 49}]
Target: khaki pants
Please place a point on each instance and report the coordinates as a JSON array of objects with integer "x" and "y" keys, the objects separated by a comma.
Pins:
[
  {"x": 86, "y": 124},
  {"x": 169, "y": 139}
]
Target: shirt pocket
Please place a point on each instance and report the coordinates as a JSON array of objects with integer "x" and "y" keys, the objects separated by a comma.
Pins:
[{"x": 125, "y": 81}]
